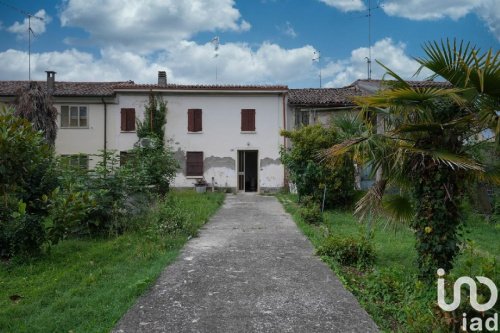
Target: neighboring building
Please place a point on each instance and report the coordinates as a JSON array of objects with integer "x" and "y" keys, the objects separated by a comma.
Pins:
[{"x": 227, "y": 134}]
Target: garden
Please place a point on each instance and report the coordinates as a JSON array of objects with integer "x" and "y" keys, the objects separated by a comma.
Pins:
[
  {"x": 431, "y": 149},
  {"x": 78, "y": 245}
]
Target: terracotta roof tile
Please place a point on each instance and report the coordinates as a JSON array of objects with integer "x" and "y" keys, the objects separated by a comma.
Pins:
[
  {"x": 97, "y": 89},
  {"x": 201, "y": 87},
  {"x": 324, "y": 96}
]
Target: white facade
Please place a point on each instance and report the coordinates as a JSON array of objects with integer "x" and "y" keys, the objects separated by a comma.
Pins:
[{"x": 220, "y": 140}]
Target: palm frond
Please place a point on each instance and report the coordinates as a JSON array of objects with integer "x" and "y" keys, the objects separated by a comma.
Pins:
[{"x": 450, "y": 159}]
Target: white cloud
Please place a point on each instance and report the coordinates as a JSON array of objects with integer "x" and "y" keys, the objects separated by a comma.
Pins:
[
  {"x": 144, "y": 26},
  {"x": 487, "y": 10},
  {"x": 430, "y": 9},
  {"x": 343, "y": 72},
  {"x": 186, "y": 62},
  {"x": 346, "y": 5},
  {"x": 37, "y": 26}
]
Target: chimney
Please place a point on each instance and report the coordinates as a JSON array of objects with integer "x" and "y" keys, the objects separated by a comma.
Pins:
[
  {"x": 162, "y": 78},
  {"x": 51, "y": 80}
]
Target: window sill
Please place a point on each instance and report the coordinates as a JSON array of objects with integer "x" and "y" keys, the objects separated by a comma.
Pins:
[
  {"x": 194, "y": 177},
  {"x": 127, "y": 131},
  {"x": 74, "y": 127},
  {"x": 248, "y": 132},
  {"x": 200, "y": 132}
]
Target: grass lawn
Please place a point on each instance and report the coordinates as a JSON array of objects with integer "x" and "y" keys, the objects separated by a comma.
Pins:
[
  {"x": 388, "y": 291},
  {"x": 87, "y": 285}
]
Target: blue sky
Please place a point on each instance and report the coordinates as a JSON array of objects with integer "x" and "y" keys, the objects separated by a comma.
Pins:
[{"x": 261, "y": 41}]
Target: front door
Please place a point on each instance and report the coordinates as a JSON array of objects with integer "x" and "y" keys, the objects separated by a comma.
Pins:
[{"x": 248, "y": 170}]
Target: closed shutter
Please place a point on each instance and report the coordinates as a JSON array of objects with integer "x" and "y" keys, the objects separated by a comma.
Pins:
[
  {"x": 194, "y": 163},
  {"x": 128, "y": 119},
  {"x": 191, "y": 120},
  {"x": 195, "y": 120},
  {"x": 248, "y": 120}
]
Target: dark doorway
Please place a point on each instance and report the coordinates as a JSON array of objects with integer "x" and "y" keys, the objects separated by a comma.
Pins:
[{"x": 248, "y": 170}]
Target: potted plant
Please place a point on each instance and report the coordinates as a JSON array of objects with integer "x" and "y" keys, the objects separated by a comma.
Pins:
[{"x": 201, "y": 185}]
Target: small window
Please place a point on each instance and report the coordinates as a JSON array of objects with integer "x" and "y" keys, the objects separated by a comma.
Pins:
[
  {"x": 77, "y": 161},
  {"x": 301, "y": 118},
  {"x": 248, "y": 120},
  {"x": 194, "y": 163},
  {"x": 125, "y": 157},
  {"x": 195, "y": 120},
  {"x": 128, "y": 120},
  {"x": 74, "y": 116}
]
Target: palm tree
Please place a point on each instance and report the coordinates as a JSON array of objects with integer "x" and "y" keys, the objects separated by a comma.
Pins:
[{"x": 426, "y": 148}]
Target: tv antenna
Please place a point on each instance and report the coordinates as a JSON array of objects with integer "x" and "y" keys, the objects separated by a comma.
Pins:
[
  {"x": 317, "y": 57},
  {"x": 216, "y": 42},
  {"x": 30, "y": 31},
  {"x": 369, "y": 58}
]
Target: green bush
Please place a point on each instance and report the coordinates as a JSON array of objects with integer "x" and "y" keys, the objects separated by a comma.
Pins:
[
  {"x": 25, "y": 168},
  {"x": 310, "y": 211},
  {"x": 310, "y": 174},
  {"x": 349, "y": 251}
]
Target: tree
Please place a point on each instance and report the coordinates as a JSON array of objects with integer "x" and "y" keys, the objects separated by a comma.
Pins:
[
  {"x": 34, "y": 104},
  {"x": 155, "y": 118},
  {"x": 310, "y": 175},
  {"x": 426, "y": 149}
]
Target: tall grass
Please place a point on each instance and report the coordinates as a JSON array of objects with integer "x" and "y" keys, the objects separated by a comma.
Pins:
[{"x": 86, "y": 285}]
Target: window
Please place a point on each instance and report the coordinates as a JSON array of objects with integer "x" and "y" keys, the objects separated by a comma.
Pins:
[
  {"x": 74, "y": 116},
  {"x": 128, "y": 120},
  {"x": 248, "y": 120},
  {"x": 77, "y": 161},
  {"x": 194, "y": 163},
  {"x": 125, "y": 157},
  {"x": 301, "y": 118},
  {"x": 194, "y": 120}
]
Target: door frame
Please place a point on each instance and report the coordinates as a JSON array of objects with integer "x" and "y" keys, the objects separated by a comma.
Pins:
[{"x": 243, "y": 173}]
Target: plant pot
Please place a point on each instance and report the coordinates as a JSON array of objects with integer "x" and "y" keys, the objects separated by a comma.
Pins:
[{"x": 201, "y": 189}]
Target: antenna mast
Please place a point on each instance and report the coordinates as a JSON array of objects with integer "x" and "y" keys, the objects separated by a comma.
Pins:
[
  {"x": 369, "y": 60},
  {"x": 30, "y": 31},
  {"x": 216, "y": 42},
  {"x": 317, "y": 57}
]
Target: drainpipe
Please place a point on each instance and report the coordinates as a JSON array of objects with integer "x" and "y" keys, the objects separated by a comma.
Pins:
[
  {"x": 105, "y": 124},
  {"x": 285, "y": 178}
]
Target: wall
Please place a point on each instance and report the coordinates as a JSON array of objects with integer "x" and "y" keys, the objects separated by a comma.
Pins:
[
  {"x": 221, "y": 137},
  {"x": 89, "y": 140}
]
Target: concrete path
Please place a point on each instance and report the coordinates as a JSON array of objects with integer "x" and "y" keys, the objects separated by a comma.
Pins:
[{"x": 250, "y": 270}]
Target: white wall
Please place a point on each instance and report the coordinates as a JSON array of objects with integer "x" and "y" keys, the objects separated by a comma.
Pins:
[
  {"x": 222, "y": 138},
  {"x": 87, "y": 141}
]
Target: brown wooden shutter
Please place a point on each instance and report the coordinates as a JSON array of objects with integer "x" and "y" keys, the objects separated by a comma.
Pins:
[
  {"x": 194, "y": 163},
  {"x": 198, "y": 120},
  {"x": 131, "y": 120},
  {"x": 248, "y": 120},
  {"x": 191, "y": 120},
  {"x": 127, "y": 119},
  {"x": 123, "y": 116}
]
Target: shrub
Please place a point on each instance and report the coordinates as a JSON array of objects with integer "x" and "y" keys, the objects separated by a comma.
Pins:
[
  {"x": 310, "y": 211},
  {"x": 25, "y": 166},
  {"x": 349, "y": 251},
  {"x": 310, "y": 175}
]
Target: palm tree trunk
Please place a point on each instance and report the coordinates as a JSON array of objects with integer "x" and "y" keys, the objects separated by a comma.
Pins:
[{"x": 438, "y": 218}]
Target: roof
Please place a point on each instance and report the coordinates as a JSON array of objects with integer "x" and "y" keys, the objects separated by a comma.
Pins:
[
  {"x": 372, "y": 86},
  {"x": 107, "y": 89},
  {"x": 90, "y": 89},
  {"x": 324, "y": 97},
  {"x": 170, "y": 86}
]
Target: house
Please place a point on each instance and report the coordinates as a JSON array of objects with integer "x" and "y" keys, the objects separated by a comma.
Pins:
[{"x": 228, "y": 135}]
